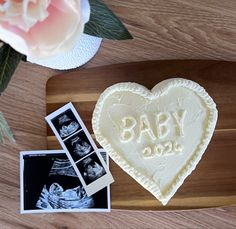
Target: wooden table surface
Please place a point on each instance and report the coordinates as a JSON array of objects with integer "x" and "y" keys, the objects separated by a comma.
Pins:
[{"x": 177, "y": 29}]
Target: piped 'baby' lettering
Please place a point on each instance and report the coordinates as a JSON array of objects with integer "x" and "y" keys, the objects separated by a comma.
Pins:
[
  {"x": 131, "y": 129},
  {"x": 179, "y": 119},
  {"x": 145, "y": 128},
  {"x": 127, "y": 132},
  {"x": 162, "y": 119}
]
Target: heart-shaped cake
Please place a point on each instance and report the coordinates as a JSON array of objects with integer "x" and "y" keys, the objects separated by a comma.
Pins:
[{"x": 158, "y": 136}]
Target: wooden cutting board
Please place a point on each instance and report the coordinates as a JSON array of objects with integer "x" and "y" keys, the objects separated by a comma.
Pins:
[{"x": 213, "y": 183}]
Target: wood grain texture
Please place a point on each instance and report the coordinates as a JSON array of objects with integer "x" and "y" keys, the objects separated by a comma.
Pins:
[
  {"x": 218, "y": 187},
  {"x": 167, "y": 29},
  {"x": 173, "y": 29}
]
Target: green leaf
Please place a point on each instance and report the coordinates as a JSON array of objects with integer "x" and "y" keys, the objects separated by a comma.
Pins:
[
  {"x": 24, "y": 58},
  {"x": 5, "y": 130},
  {"x": 9, "y": 60},
  {"x": 104, "y": 23}
]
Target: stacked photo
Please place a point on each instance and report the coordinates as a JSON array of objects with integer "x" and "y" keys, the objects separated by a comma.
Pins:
[{"x": 75, "y": 179}]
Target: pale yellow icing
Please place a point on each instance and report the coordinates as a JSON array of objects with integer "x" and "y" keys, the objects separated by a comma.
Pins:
[{"x": 157, "y": 136}]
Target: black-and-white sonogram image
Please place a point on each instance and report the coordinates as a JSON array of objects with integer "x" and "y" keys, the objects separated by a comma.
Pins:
[
  {"x": 91, "y": 168},
  {"x": 66, "y": 124},
  {"x": 78, "y": 146},
  {"x": 49, "y": 183}
]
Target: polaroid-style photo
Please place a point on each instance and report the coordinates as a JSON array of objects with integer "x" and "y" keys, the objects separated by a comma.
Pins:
[
  {"x": 49, "y": 183},
  {"x": 78, "y": 145}
]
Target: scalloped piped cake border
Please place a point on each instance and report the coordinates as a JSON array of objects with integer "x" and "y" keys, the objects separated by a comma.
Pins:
[{"x": 159, "y": 90}]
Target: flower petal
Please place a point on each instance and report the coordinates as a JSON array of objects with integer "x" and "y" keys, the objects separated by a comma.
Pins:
[{"x": 14, "y": 40}]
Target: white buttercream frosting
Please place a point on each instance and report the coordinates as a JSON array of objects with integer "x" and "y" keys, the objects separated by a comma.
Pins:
[{"x": 156, "y": 136}]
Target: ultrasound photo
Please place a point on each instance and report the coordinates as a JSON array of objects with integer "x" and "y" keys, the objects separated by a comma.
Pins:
[
  {"x": 56, "y": 187},
  {"x": 78, "y": 146},
  {"x": 91, "y": 168},
  {"x": 66, "y": 124}
]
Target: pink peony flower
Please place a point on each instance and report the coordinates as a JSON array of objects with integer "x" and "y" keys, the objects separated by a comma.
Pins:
[{"x": 42, "y": 28}]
